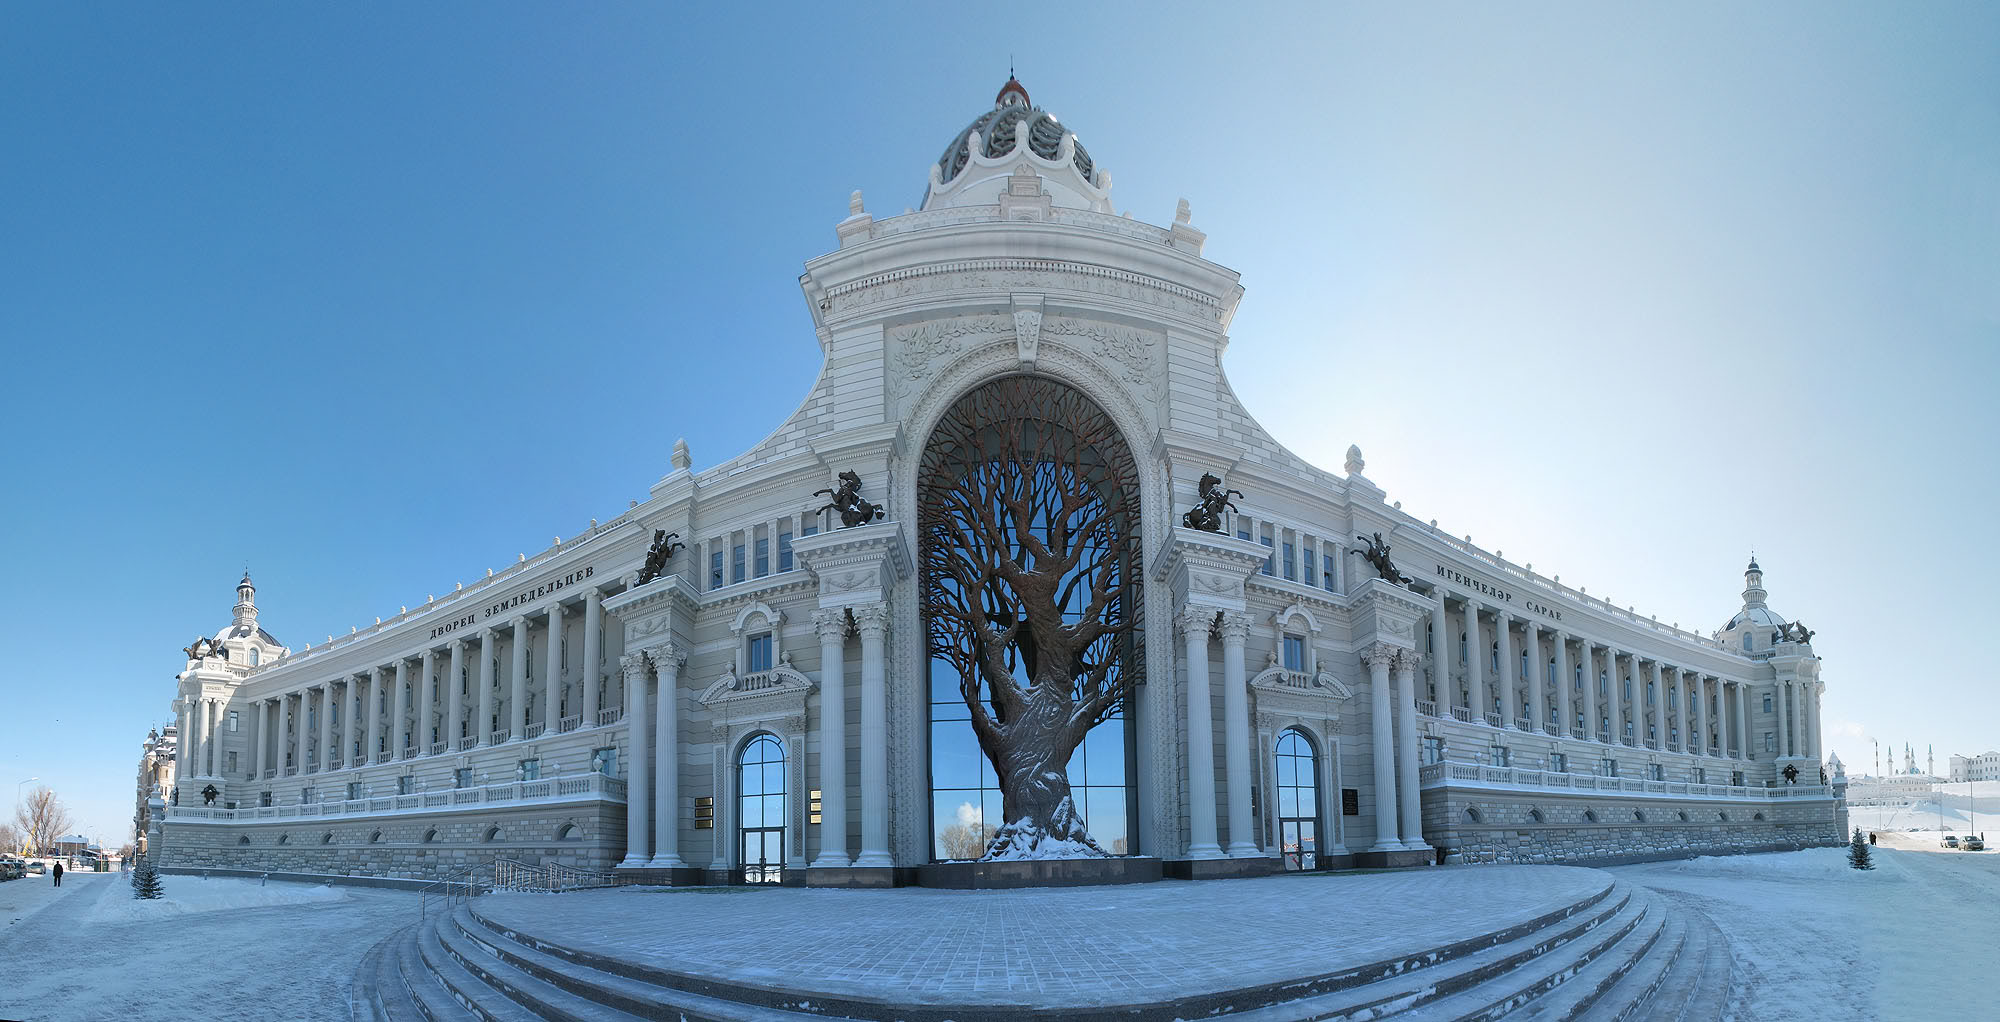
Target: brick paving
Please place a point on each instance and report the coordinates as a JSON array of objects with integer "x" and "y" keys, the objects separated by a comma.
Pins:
[{"x": 1075, "y": 946}]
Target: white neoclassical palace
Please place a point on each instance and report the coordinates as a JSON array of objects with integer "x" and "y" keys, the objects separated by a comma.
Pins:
[{"x": 732, "y": 681}]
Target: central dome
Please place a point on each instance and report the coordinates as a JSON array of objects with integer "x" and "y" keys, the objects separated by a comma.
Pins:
[{"x": 1016, "y": 134}]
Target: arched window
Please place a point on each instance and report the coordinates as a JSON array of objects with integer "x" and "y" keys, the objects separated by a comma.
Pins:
[
  {"x": 1298, "y": 800},
  {"x": 1022, "y": 472},
  {"x": 761, "y": 799},
  {"x": 492, "y": 834},
  {"x": 253, "y": 656},
  {"x": 568, "y": 832}
]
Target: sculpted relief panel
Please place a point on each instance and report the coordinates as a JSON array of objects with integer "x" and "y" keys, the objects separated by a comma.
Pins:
[
  {"x": 1042, "y": 275},
  {"x": 918, "y": 352}
]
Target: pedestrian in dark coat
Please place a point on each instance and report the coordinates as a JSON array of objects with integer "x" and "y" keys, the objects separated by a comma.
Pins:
[{"x": 58, "y": 874}]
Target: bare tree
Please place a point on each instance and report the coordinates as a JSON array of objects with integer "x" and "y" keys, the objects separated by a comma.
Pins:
[
  {"x": 42, "y": 819},
  {"x": 1027, "y": 509},
  {"x": 10, "y": 838}
]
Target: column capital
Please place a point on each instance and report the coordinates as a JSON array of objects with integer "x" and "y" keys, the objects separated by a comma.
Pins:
[
  {"x": 1234, "y": 626},
  {"x": 668, "y": 656},
  {"x": 1407, "y": 659},
  {"x": 634, "y": 665},
  {"x": 1471, "y": 603},
  {"x": 518, "y": 622},
  {"x": 871, "y": 621},
  {"x": 830, "y": 623},
  {"x": 1381, "y": 653},
  {"x": 430, "y": 657},
  {"x": 556, "y": 611},
  {"x": 1195, "y": 621}
]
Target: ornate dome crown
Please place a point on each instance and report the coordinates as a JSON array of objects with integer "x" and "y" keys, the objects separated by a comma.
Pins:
[{"x": 1000, "y": 140}]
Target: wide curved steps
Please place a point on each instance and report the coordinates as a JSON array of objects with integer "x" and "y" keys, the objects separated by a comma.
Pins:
[{"x": 1623, "y": 953}]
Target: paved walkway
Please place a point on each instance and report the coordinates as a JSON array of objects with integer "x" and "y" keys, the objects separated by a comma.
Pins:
[
  {"x": 1078, "y": 946},
  {"x": 87, "y": 953}
]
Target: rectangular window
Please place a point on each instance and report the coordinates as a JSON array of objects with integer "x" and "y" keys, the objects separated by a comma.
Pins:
[
  {"x": 736, "y": 563},
  {"x": 531, "y": 769},
  {"x": 1770, "y": 741},
  {"x": 1432, "y": 751},
  {"x": 264, "y": 799},
  {"x": 1736, "y": 778},
  {"x": 1767, "y": 704},
  {"x": 1350, "y": 801},
  {"x": 809, "y": 529},
  {"x": 307, "y": 796},
  {"x": 1242, "y": 529},
  {"x": 229, "y": 763},
  {"x": 462, "y": 777},
  {"x": 406, "y": 785},
  {"x": 762, "y": 564},
  {"x": 784, "y": 551},
  {"x": 1268, "y": 567},
  {"x": 715, "y": 569},
  {"x": 1291, "y": 563},
  {"x": 1558, "y": 763},
  {"x": 1701, "y": 775},
  {"x": 759, "y": 658},
  {"x": 1326, "y": 575},
  {"x": 1608, "y": 767},
  {"x": 1496, "y": 756},
  {"x": 232, "y": 720},
  {"x": 1657, "y": 772},
  {"x": 353, "y": 790},
  {"x": 1295, "y": 653},
  {"x": 1311, "y": 578},
  {"x": 605, "y": 760}
]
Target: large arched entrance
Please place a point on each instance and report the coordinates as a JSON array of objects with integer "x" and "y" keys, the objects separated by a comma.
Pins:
[{"x": 1029, "y": 553}]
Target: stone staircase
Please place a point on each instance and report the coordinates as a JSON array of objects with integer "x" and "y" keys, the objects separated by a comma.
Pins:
[{"x": 1623, "y": 953}]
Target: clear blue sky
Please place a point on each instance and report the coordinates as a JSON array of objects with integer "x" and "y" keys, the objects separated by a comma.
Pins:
[{"x": 372, "y": 298}]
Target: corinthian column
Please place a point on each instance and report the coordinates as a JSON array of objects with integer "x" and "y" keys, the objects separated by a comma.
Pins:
[
  {"x": 1194, "y": 625},
  {"x": 872, "y": 622},
  {"x": 832, "y": 628},
  {"x": 1409, "y": 795},
  {"x": 1659, "y": 706},
  {"x": 1587, "y": 660},
  {"x": 257, "y": 771},
  {"x": 1510, "y": 709},
  {"x": 1382, "y": 746},
  {"x": 1475, "y": 663},
  {"x": 551, "y": 679},
  {"x": 454, "y": 688},
  {"x": 1701, "y": 714},
  {"x": 1565, "y": 705},
  {"x": 1235, "y": 628},
  {"x": 482, "y": 724},
  {"x": 636, "y": 770},
  {"x": 371, "y": 749},
  {"x": 667, "y": 659},
  {"x": 325, "y": 727},
  {"x": 517, "y": 699},
  {"x": 593, "y": 682},
  {"x": 1538, "y": 699},
  {"x": 1784, "y": 721},
  {"x": 426, "y": 704}
]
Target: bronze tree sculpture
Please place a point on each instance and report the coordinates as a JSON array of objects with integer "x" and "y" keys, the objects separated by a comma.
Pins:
[
  {"x": 1377, "y": 554},
  {"x": 847, "y": 500},
  {"x": 657, "y": 555},
  {"x": 1207, "y": 514},
  {"x": 1027, "y": 518}
]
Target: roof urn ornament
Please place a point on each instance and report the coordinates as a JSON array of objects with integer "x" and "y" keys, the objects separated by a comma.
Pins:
[
  {"x": 657, "y": 555},
  {"x": 1206, "y": 515},
  {"x": 1355, "y": 463},
  {"x": 1377, "y": 554},
  {"x": 847, "y": 500},
  {"x": 681, "y": 459}
]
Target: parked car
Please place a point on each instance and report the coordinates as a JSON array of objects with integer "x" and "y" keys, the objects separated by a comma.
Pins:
[
  {"x": 1973, "y": 844},
  {"x": 1950, "y": 841}
]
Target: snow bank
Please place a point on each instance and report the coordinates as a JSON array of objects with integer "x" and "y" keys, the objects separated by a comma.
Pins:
[
  {"x": 1810, "y": 865},
  {"x": 187, "y": 895}
]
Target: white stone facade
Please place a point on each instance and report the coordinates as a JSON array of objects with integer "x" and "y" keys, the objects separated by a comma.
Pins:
[{"x": 1409, "y": 702}]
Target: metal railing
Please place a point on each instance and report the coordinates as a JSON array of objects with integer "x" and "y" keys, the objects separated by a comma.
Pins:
[{"x": 509, "y": 875}]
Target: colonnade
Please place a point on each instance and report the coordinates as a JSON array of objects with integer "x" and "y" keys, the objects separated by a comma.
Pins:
[
  {"x": 1687, "y": 710},
  {"x": 386, "y": 713}
]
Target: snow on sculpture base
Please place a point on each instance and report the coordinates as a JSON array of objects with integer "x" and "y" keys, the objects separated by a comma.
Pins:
[{"x": 996, "y": 874}]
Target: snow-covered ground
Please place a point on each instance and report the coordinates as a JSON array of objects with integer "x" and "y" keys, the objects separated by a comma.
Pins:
[
  {"x": 1813, "y": 939},
  {"x": 220, "y": 948},
  {"x": 1929, "y": 815}
]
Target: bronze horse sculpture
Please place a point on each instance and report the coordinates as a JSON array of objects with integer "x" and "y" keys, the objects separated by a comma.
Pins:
[
  {"x": 847, "y": 500},
  {"x": 657, "y": 556},
  {"x": 1377, "y": 554},
  {"x": 1207, "y": 515}
]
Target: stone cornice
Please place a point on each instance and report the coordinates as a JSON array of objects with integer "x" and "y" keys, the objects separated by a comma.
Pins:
[{"x": 667, "y": 590}]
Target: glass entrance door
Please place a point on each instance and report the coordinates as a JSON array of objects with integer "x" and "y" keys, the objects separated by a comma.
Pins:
[{"x": 761, "y": 801}]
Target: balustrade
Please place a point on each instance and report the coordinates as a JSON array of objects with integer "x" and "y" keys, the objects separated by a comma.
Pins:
[
  {"x": 440, "y": 748},
  {"x": 467, "y": 743},
  {"x": 1493, "y": 719},
  {"x": 1523, "y": 724},
  {"x": 1461, "y": 713},
  {"x": 569, "y": 723},
  {"x": 610, "y": 715},
  {"x": 535, "y": 730},
  {"x": 409, "y": 752},
  {"x": 1427, "y": 707},
  {"x": 497, "y": 738}
]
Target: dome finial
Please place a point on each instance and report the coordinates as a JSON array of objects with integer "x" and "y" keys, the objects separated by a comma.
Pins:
[{"x": 1013, "y": 93}]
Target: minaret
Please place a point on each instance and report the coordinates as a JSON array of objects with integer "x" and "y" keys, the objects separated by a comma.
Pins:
[{"x": 246, "y": 603}]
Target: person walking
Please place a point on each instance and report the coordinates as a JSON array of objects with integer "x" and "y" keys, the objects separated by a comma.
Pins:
[{"x": 58, "y": 873}]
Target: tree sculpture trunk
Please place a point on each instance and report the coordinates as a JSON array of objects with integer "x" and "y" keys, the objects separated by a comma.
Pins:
[{"x": 1031, "y": 587}]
